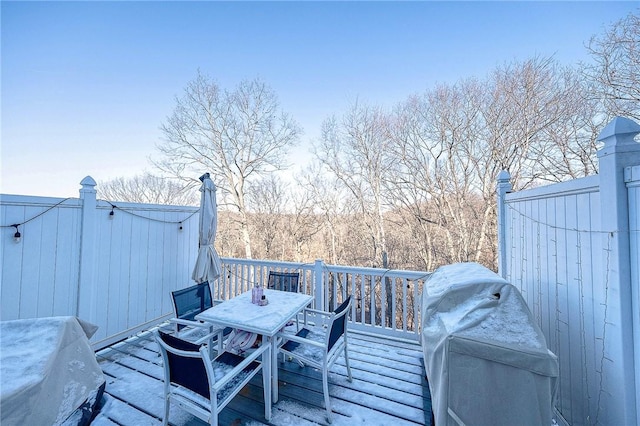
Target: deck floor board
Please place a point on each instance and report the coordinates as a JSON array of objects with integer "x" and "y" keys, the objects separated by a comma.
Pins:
[{"x": 388, "y": 388}]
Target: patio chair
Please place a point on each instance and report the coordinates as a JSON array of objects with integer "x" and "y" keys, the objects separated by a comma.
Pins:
[
  {"x": 189, "y": 302},
  {"x": 203, "y": 386},
  {"x": 322, "y": 345},
  {"x": 283, "y": 281}
]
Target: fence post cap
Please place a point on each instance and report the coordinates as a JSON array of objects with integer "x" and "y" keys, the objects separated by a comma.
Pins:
[
  {"x": 620, "y": 126},
  {"x": 504, "y": 176},
  {"x": 88, "y": 181}
]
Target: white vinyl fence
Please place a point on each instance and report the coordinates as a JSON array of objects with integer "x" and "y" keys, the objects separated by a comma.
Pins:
[
  {"x": 76, "y": 258},
  {"x": 572, "y": 250}
]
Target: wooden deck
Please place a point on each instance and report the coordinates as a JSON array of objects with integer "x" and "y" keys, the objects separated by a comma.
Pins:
[{"x": 388, "y": 388}]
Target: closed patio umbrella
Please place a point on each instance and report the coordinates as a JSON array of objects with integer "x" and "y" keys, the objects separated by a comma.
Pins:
[{"x": 208, "y": 267}]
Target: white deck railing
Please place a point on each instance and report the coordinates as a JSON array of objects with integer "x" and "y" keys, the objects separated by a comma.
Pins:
[{"x": 384, "y": 299}]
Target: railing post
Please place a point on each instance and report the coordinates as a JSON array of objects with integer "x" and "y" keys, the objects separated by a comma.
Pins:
[
  {"x": 85, "y": 307},
  {"x": 319, "y": 284},
  {"x": 619, "y": 151},
  {"x": 502, "y": 188}
]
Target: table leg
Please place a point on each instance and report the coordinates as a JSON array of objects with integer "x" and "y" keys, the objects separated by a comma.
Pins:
[
  {"x": 266, "y": 378},
  {"x": 220, "y": 337},
  {"x": 274, "y": 368}
]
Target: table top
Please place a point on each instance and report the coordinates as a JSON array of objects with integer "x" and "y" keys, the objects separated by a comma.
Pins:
[{"x": 267, "y": 320}]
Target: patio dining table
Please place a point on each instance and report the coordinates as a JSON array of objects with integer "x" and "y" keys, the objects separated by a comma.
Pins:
[{"x": 266, "y": 320}]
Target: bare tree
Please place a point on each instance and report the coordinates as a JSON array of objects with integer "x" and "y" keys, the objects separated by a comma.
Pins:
[
  {"x": 525, "y": 103},
  {"x": 615, "y": 74},
  {"x": 267, "y": 198},
  {"x": 236, "y": 135},
  {"x": 301, "y": 223},
  {"x": 450, "y": 144},
  {"x": 354, "y": 149},
  {"x": 436, "y": 171},
  {"x": 568, "y": 147},
  {"x": 148, "y": 188},
  {"x": 331, "y": 206}
]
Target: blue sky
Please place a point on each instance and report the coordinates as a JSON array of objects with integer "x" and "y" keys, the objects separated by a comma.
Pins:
[{"x": 87, "y": 85}]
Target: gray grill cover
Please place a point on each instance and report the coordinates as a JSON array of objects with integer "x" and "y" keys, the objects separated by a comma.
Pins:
[
  {"x": 48, "y": 369},
  {"x": 486, "y": 359}
]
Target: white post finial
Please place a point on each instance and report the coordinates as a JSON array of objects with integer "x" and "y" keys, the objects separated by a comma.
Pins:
[
  {"x": 504, "y": 176},
  {"x": 88, "y": 186},
  {"x": 88, "y": 181},
  {"x": 619, "y": 131}
]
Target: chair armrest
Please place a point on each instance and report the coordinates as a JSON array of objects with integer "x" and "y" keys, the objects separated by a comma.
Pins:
[
  {"x": 317, "y": 311},
  {"x": 207, "y": 337},
  {"x": 189, "y": 322},
  {"x": 322, "y": 316},
  {"x": 248, "y": 360},
  {"x": 302, "y": 340}
]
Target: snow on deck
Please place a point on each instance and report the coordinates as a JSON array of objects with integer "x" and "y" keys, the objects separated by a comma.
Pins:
[{"x": 388, "y": 388}]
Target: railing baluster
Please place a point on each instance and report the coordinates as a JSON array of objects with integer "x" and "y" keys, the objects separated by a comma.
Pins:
[{"x": 404, "y": 304}]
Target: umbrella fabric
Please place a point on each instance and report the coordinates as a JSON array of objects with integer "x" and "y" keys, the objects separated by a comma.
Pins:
[{"x": 208, "y": 265}]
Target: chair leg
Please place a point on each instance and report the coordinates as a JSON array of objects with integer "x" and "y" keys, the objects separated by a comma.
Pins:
[
  {"x": 210, "y": 347},
  {"x": 214, "y": 412},
  {"x": 346, "y": 360},
  {"x": 325, "y": 390},
  {"x": 165, "y": 418}
]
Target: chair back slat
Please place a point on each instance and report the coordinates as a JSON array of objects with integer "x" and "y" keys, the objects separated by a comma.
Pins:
[
  {"x": 283, "y": 281},
  {"x": 190, "y": 301},
  {"x": 188, "y": 372},
  {"x": 339, "y": 324}
]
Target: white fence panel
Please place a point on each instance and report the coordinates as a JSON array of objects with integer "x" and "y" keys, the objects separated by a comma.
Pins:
[
  {"x": 40, "y": 272},
  {"x": 132, "y": 260},
  {"x": 554, "y": 262},
  {"x": 572, "y": 250},
  {"x": 142, "y": 255}
]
